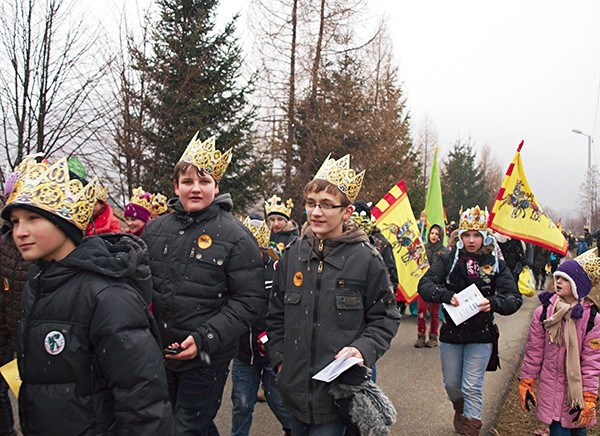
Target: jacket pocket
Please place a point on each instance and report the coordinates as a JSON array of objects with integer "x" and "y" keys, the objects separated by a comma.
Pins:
[
  {"x": 207, "y": 266},
  {"x": 350, "y": 310}
]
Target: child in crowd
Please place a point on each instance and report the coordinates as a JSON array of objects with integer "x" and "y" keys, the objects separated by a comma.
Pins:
[
  {"x": 434, "y": 248},
  {"x": 251, "y": 365},
  {"x": 283, "y": 229},
  {"x": 142, "y": 207},
  {"x": 90, "y": 358},
  {"x": 331, "y": 297},
  {"x": 208, "y": 279},
  {"x": 563, "y": 350},
  {"x": 103, "y": 218}
]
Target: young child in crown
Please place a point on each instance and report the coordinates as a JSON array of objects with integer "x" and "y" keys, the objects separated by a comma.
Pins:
[
  {"x": 90, "y": 357},
  {"x": 563, "y": 350},
  {"x": 142, "y": 207},
  {"x": 279, "y": 218}
]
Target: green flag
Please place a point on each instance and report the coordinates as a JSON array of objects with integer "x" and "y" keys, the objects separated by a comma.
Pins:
[{"x": 434, "y": 207}]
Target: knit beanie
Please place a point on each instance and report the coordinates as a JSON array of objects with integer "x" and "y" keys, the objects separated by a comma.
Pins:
[
  {"x": 69, "y": 229},
  {"x": 133, "y": 210},
  {"x": 581, "y": 285}
]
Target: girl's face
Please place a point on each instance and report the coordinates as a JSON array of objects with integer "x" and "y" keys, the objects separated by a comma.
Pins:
[
  {"x": 135, "y": 225},
  {"x": 473, "y": 240},
  {"x": 564, "y": 289},
  {"x": 434, "y": 235}
]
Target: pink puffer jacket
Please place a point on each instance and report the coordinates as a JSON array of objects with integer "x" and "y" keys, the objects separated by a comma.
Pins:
[{"x": 546, "y": 363}]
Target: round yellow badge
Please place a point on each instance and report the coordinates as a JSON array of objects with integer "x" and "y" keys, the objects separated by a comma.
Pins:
[
  {"x": 594, "y": 344},
  {"x": 298, "y": 278},
  {"x": 204, "y": 241},
  {"x": 280, "y": 246}
]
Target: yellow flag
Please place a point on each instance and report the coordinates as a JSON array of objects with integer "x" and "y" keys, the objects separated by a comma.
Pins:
[
  {"x": 10, "y": 372},
  {"x": 517, "y": 214},
  {"x": 395, "y": 219}
]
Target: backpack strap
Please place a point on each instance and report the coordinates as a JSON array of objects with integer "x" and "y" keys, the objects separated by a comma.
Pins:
[
  {"x": 544, "y": 313},
  {"x": 590, "y": 324}
]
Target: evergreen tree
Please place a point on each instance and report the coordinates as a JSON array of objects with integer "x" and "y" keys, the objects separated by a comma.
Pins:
[
  {"x": 193, "y": 73},
  {"x": 463, "y": 184}
]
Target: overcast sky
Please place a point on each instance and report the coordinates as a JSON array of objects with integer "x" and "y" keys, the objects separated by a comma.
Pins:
[{"x": 499, "y": 72}]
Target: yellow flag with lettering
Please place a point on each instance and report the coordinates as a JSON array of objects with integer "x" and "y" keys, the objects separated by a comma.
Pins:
[
  {"x": 395, "y": 219},
  {"x": 517, "y": 214}
]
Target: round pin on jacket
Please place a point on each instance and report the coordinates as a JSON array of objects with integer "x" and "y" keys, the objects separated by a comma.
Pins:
[{"x": 54, "y": 343}]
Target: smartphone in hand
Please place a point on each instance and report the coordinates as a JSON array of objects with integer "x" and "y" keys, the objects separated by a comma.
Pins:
[{"x": 172, "y": 350}]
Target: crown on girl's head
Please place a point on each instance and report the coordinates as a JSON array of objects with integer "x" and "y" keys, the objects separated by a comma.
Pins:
[
  {"x": 141, "y": 198},
  {"x": 50, "y": 188},
  {"x": 340, "y": 174},
  {"x": 275, "y": 205},
  {"x": 473, "y": 219},
  {"x": 590, "y": 262},
  {"x": 101, "y": 192},
  {"x": 260, "y": 230},
  {"x": 206, "y": 158}
]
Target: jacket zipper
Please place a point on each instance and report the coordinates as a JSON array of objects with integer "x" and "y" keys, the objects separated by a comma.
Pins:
[{"x": 314, "y": 330}]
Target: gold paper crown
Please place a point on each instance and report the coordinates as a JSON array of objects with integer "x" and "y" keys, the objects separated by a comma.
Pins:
[
  {"x": 204, "y": 157},
  {"x": 340, "y": 174},
  {"x": 275, "y": 205},
  {"x": 590, "y": 262},
  {"x": 141, "y": 198},
  {"x": 473, "y": 219},
  {"x": 364, "y": 222},
  {"x": 159, "y": 205},
  {"x": 101, "y": 192},
  {"x": 261, "y": 232},
  {"x": 50, "y": 188}
]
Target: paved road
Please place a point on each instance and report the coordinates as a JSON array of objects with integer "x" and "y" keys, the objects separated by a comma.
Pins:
[{"x": 412, "y": 378}]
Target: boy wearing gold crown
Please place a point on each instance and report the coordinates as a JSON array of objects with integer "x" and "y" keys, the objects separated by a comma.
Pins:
[
  {"x": 208, "y": 285},
  {"x": 283, "y": 229},
  {"x": 331, "y": 298},
  {"x": 563, "y": 350},
  {"x": 89, "y": 353},
  {"x": 251, "y": 366},
  {"x": 468, "y": 349}
]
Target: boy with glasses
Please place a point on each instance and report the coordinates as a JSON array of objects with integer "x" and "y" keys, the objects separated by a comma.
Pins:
[{"x": 331, "y": 297}]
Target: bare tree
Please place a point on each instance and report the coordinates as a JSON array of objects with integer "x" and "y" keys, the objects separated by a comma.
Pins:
[
  {"x": 51, "y": 95},
  {"x": 492, "y": 173}
]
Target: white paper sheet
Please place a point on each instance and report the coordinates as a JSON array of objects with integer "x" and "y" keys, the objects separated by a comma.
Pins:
[
  {"x": 335, "y": 368},
  {"x": 469, "y": 299}
]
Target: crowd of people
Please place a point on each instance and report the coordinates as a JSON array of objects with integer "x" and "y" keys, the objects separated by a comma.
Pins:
[{"x": 137, "y": 331}]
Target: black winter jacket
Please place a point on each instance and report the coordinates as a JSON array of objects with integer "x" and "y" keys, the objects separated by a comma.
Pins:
[
  {"x": 327, "y": 294},
  {"x": 208, "y": 279},
  {"x": 89, "y": 353},
  {"x": 439, "y": 284}
]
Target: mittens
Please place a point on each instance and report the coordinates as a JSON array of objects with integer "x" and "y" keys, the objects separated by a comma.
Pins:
[
  {"x": 588, "y": 413},
  {"x": 526, "y": 396}
]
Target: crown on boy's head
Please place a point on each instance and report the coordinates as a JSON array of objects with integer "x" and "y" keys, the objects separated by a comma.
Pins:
[
  {"x": 49, "y": 187},
  {"x": 206, "y": 158},
  {"x": 101, "y": 192},
  {"x": 260, "y": 230},
  {"x": 159, "y": 205},
  {"x": 473, "y": 219},
  {"x": 275, "y": 205},
  {"x": 339, "y": 173}
]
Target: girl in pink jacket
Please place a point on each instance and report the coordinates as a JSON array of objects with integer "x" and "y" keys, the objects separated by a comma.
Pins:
[{"x": 563, "y": 351}]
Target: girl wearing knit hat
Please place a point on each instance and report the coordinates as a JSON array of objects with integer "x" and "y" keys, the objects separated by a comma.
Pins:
[
  {"x": 142, "y": 207},
  {"x": 563, "y": 350}
]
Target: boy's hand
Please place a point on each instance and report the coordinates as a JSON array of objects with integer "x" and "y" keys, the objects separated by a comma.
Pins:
[
  {"x": 588, "y": 413},
  {"x": 454, "y": 301},
  {"x": 485, "y": 305},
  {"x": 526, "y": 396},
  {"x": 190, "y": 350},
  {"x": 354, "y": 352}
]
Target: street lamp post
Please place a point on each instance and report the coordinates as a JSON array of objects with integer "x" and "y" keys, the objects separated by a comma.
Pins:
[{"x": 589, "y": 182}]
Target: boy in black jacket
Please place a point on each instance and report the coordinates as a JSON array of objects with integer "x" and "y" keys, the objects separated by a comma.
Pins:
[
  {"x": 89, "y": 352},
  {"x": 208, "y": 281}
]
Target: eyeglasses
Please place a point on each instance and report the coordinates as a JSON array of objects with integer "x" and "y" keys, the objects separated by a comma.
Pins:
[{"x": 311, "y": 205}]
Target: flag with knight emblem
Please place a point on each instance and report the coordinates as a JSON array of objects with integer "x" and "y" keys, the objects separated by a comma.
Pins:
[
  {"x": 394, "y": 217},
  {"x": 517, "y": 214}
]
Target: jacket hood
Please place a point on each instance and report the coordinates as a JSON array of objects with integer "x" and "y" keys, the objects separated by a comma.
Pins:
[
  {"x": 223, "y": 201},
  {"x": 115, "y": 255}
]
